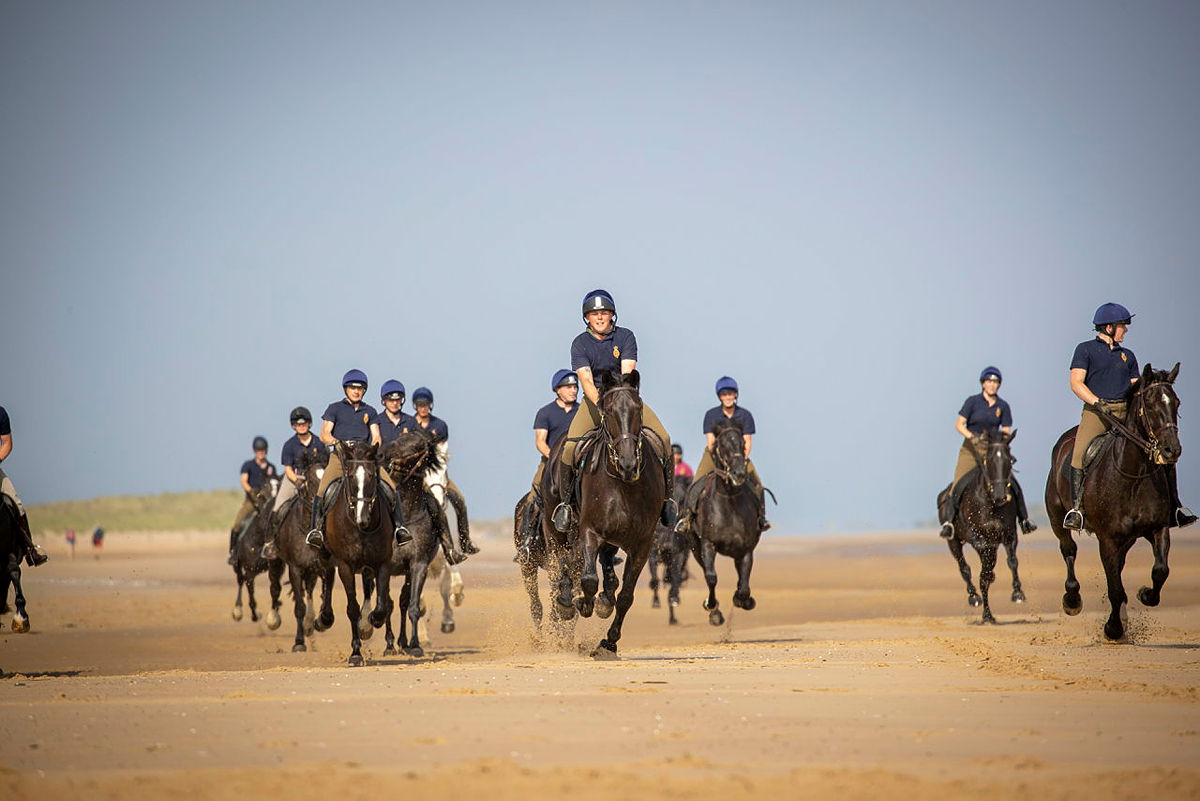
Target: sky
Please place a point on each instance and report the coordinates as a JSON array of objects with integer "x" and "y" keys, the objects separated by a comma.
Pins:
[{"x": 210, "y": 211}]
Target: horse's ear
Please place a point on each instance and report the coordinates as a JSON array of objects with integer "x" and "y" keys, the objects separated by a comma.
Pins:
[
  {"x": 1174, "y": 372},
  {"x": 373, "y": 450},
  {"x": 634, "y": 379},
  {"x": 1148, "y": 372},
  {"x": 604, "y": 380}
]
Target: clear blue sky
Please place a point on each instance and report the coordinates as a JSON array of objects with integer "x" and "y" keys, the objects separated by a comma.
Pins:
[{"x": 209, "y": 211}]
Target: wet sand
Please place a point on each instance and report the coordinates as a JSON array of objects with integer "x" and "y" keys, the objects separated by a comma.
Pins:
[{"x": 861, "y": 674}]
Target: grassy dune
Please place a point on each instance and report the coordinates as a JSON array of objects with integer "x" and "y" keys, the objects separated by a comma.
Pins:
[{"x": 171, "y": 511}]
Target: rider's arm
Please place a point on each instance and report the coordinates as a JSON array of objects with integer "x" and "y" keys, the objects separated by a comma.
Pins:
[
  {"x": 540, "y": 441},
  {"x": 327, "y": 433},
  {"x": 628, "y": 366},
  {"x": 960, "y": 425},
  {"x": 291, "y": 474},
  {"x": 376, "y": 437},
  {"x": 710, "y": 439},
  {"x": 746, "y": 444},
  {"x": 589, "y": 385},
  {"x": 1078, "y": 374},
  {"x": 5, "y": 446},
  {"x": 246, "y": 484}
]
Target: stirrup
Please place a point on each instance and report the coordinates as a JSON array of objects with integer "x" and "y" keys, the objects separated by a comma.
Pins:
[
  {"x": 269, "y": 551},
  {"x": 402, "y": 535},
  {"x": 1184, "y": 517},
  {"x": 563, "y": 513},
  {"x": 1073, "y": 520},
  {"x": 1028, "y": 526},
  {"x": 232, "y": 560},
  {"x": 315, "y": 538},
  {"x": 684, "y": 524},
  {"x": 947, "y": 532}
]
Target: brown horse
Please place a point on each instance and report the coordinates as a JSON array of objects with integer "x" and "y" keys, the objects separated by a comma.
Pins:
[
  {"x": 305, "y": 565},
  {"x": 12, "y": 551},
  {"x": 359, "y": 536},
  {"x": 671, "y": 551},
  {"x": 248, "y": 560},
  {"x": 986, "y": 519},
  {"x": 1126, "y": 493},
  {"x": 726, "y": 520},
  {"x": 622, "y": 486}
]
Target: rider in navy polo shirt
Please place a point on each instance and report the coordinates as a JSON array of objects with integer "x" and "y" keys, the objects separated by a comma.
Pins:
[
  {"x": 979, "y": 414},
  {"x": 33, "y": 554},
  {"x": 392, "y": 421},
  {"x": 438, "y": 481},
  {"x": 255, "y": 473},
  {"x": 603, "y": 346},
  {"x": 1102, "y": 371},
  {"x": 352, "y": 419},
  {"x": 550, "y": 424},
  {"x": 728, "y": 409}
]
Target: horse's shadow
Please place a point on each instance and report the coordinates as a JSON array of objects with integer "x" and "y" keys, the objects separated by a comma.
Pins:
[
  {"x": 43, "y": 674},
  {"x": 1021, "y": 622}
]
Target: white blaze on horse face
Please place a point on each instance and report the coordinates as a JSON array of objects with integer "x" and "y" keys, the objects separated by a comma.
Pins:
[
  {"x": 360, "y": 476},
  {"x": 320, "y": 473},
  {"x": 1167, "y": 401}
]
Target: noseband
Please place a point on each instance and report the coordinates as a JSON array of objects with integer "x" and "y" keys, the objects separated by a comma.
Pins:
[
  {"x": 613, "y": 462},
  {"x": 722, "y": 467},
  {"x": 367, "y": 465}
]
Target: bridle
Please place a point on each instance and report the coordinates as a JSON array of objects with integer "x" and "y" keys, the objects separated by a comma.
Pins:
[
  {"x": 722, "y": 467},
  {"x": 983, "y": 462},
  {"x": 395, "y": 465},
  {"x": 1148, "y": 444},
  {"x": 613, "y": 462},
  {"x": 369, "y": 499}
]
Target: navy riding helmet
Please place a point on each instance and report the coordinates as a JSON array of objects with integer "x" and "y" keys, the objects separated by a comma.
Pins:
[
  {"x": 422, "y": 394},
  {"x": 392, "y": 390},
  {"x": 1111, "y": 314},
  {"x": 260, "y": 443},
  {"x": 599, "y": 300},
  {"x": 726, "y": 383},
  {"x": 563, "y": 378},
  {"x": 354, "y": 378},
  {"x": 990, "y": 372}
]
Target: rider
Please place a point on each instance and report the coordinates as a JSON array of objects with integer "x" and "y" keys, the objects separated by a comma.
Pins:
[
  {"x": 33, "y": 554},
  {"x": 392, "y": 421},
  {"x": 437, "y": 482},
  {"x": 603, "y": 346},
  {"x": 302, "y": 442},
  {"x": 255, "y": 473},
  {"x": 682, "y": 468},
  {"x": 728, "y": 409},
  {"x": 980, "y": 413},
  {"x": 1102, "y": 370},
  {"x": 351, "y": 419},
  {"x": 550, "y": 424}
]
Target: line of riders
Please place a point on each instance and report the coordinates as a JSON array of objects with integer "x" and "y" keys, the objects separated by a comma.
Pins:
[
  {"x": 344, "y": 420},
  {"x": 1103, "y": 372}
]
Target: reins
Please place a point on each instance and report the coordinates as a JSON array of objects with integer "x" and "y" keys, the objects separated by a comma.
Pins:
[
  {"x": 1148, "y": 445},
  {"x": 613, "y": 460}
]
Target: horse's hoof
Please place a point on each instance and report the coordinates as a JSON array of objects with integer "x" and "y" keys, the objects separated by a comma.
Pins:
[
  {"x": 707, "y": 606},
  {"x": 376, "y": 619},
  {"x": 656, "y": 604},
  {"x": 355, "y": 660},
  {"x": 746, "y": 603},
  {"x": 1113, "y": 630},
  {"x": 325, "y": 621},
  {"x": 20, "y": 625},
  {"x": 715, "y": 618},
  {"x": 309, "y": 629},
  {"x": 415, "y": 651},
  {"x": 1072, "y": 604},
  {"x": 298, "y": 647},
  {"x": 457, "y": 598},
  {"x": 253, "y": 616},
  {"x": 672, "y": 622},
  {"x": 1018, "y": 597},
  {"x": 673, "y": 603},
  {"x": 604, "y": 607},
  {"x": 605, "y": 652},
  {"x": 364, "y": 630},
  {"x": 974, "y": 600},
  {"x": 448, "y": 627},
  {"x": 584, "y": 607},
  {"x": 236, "y": 613},
  {"x": 273, "y": 620},
  {"x": 1147, "y": 596},
  {"x": 389, "y": 651},
  {"x": 988, "y": 618}
]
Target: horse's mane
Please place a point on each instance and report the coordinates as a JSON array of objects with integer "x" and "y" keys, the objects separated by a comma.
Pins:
[
  {"x": 721, "y": 425},
  {"x": 1150, "y": 376},
  {"x": 392, "y": 451}
]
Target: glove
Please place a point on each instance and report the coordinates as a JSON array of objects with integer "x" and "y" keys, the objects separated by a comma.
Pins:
[{"x": 1101, "y": 406}]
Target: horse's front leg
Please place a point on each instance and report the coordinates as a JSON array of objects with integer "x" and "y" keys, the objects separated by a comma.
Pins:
[
  {"x": 708, "y": 560},
  {"x": 742, "y": 599},
  {"x": 353, "y": 611},
  {"x": 606, "y": 600},
  {"x": 1072, "y": 602},
  {"x": 652, "y": 568},
  {"x": 964, "y": 570},
  {"x": 20, "y": 621},
  {"x": 275, "y": 581},
  {"x": 589, "y": 579},
  {"x": 607, "y": 648},
  {"x": 987, "y": 574},
  {"x": 365, "y": 628},
  {"x": 457, "y": 593},
  {"x": 249, "y": 582},
  {"x": 1010, "y": 551},
  {"x": 1112, "y": 556},
  {"x": 383, "y": 595},
  {"x": 529, "y": 575},
  {"x": 444, "y": 589},
  {"x": 1161, "y": 542},
  {"x": 416, "y": 577},
  {"x": 299, "y": 608},
  {"x": 325, "y": 619},
  {"x": 674, "y": 577}
]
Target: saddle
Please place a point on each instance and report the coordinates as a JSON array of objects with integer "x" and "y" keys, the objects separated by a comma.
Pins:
[
  {"x": 10, "y": 504},
  {"x": 1094, "y": 449},
  {"x": 960, "y": 489},
  {"x": 332, "y": 490}
]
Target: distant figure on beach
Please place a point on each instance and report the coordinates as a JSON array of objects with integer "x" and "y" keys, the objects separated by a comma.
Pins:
[
  {"x": 71, "y": 542},
  {"x": 97, "y": 540}
]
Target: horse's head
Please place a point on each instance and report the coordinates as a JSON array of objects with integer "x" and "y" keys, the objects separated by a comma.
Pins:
[
  {"x": 997, "y": 465},
  {"x": 1154, "y": 408},
  {"x": 410, "y": 456},
  {"x": 621, "y": 420},
  {"x": 262, "y": 496},
  {"x": 360, "y": 479},
  {"x": 310, "y": 467},
  {"x": 729, "y": 452}
]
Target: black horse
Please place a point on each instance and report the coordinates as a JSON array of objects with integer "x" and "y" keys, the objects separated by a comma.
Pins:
[
  {"x": 539, "y": 557},
  {"x": 622, "y": 486},
  {"x": 248, "y": 560},
  {"x": 407, "y": 459},
  {"x": 726, "y": 519},
  {"x": 671, "y": 551},
  {"x": 987, "y": 519},
  {"x": 12, "y": 551},
  {"x": 1126, "y": 492},
  {"x": 305, "y": 565},
  {"x": 360, "y": 537}
]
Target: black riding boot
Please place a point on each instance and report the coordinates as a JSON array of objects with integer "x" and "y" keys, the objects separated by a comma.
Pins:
[
  {"x": 763, "y": 523},
  {"x": 670, "y": 509},
  {"x": 947, "y": 509},
  {"x": 233, "y": 538},
  {"x": 689, "y": 507},
  {"x": 315, "y": 536},
  {"x": 531, "y": 513},
  {"x": 564, "y": 514},
  {"x": 270, "y": 550},
  {"x": 1074, "y": 517},
  {"x": 1183, "y": 516},
  {"x": 1027, "y": 525},
  {"x": 396, "y": 517},
  {"x": 33, "y": 554}
]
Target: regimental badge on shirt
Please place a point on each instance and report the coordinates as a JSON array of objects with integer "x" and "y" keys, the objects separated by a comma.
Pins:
[
  {"x": 1124, "y": 358},
  {"x": 366, "y": 417},
  {"x": 997, "y": 411},
  {"x": 616, "y": 352}
]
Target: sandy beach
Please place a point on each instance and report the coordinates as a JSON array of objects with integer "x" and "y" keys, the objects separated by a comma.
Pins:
[{"x": 862, "y": 674}]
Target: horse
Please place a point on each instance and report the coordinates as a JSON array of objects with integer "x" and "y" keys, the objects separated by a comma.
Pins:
[
  {"x": 408, "y": 458},
  {"x": 248, "y": 560},
  {"x": 726, "y": 519},
  {"x": 305, "y": 565},
  {"x": 1126, "y": 492},
  {"x": 671, "y": 550},
  {"x": 619, "y": 505},
  {"x": 987, "y": 519},
  {"x": 359, "y": 537},
  {"x": 529, "y": 513},
  {"x": 12, "y": 551}
]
